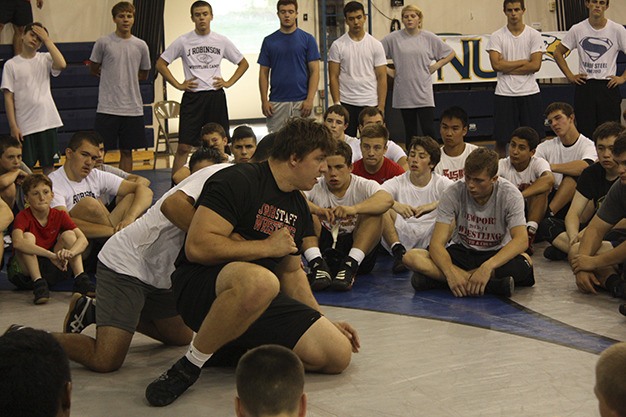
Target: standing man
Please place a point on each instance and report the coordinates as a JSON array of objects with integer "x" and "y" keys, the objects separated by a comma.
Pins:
[
  {"x": 289, "y": 64},
  {"x": 515, "y": 53},
  {"x": 121, "y": 60},
  {"x": 598, "y": 40},
  {"x": 204, "y": 99},
  {"x": 357, "y": 67}
]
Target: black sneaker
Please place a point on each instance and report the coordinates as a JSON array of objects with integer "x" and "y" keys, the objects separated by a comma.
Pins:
[
  {"x": 81, "y": 313},
  {"x": 84, "y": 286},
  {"x": 421, "y": 282},
  {"x": 41, "y": 292},
  {"x": 398, "y": 250},
  {"x": 344, "y": 279},
  {"x": 172, "y": 383},
  {"x": 14, "y": 328},
  {"x": 554, "y": 254},
  {"x": 501, "y": 286},
  {"x": 622, "y": 309},
  {"x": 319, "y": 276}
]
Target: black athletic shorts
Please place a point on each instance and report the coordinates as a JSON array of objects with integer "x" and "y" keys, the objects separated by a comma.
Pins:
[
  {"x": 509, "y": 113},
  {"x": 121, "y": 132},
  {"x": 198, "y": 109},
  {"x": 469, "y": 259},
  {"x": 283, "y": 323},
  {"x": 18, "y": 12}
]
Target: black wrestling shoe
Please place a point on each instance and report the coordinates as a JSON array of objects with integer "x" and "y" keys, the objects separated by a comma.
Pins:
[
  {"x": 554, "y": 254},
  {"x": 501, "y": 286},
  {"x": 81, "y": 313},
  {"x": 319, "y": 276},
  {"x": 421, "y": 282},
  {"x": 398, "y": 250},
  {"x": 344, "y": 279},
  {"x": 41, "y": 293},
  {"x": 172, "y": 383},
  {"x": 83, "y": 285},
  {"x": 622, "y": 309}
]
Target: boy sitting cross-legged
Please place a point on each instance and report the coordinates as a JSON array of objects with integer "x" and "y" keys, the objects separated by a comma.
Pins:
[{"x": 44, "y": 237}]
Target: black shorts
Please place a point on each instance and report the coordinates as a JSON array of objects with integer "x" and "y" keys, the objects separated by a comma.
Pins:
[
  {"x": 121, "y": 132},
  {"x": 469, "y": 259},
  {"x": 283, "y": 323},
  {"x": 343, "y": 246},
  {"x": 18, "y": 12},
  {"x": 594, "y": 104},
  {"x": 509, "y": 113},
  {"x": 198, "y": 109}
]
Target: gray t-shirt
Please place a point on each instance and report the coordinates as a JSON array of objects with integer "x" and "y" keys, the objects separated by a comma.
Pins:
[
  {"x": 120, "y": 60},
  {"x": 613, "y": 209},
  {"x": 486, "y": 227}
]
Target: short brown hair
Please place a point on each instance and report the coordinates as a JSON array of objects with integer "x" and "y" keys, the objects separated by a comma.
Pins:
[
  {"x": 34, "y": 180},
  {"x": 375, "y": 131},
  {"x": 371, "y": 112},
  {"x": 482, "y": 159},
  {"x": 619, "y": 147},
  {"x": 340, "y": 110},
  {"x": 343, "y": 149},
  {"x": 567, "y": 109},
  {"x": 300, "y": 137},
  {"x": 610, "y": 381},
  {"x": 200, "y": 3},
  {"x": 286, "y": 3},
  {"x": 123, "y": 6},
  {"x": 213, "y": 128},
  {"x": 607, "y": 130},
  {"x": 431, "y": 147}
]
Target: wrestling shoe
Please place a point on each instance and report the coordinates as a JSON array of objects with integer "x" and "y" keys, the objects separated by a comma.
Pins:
[
  {"x": 83, "y": 285},
  {"x": 622, "y": 309},
  {"x": 41, "y": 292},
  {"x": 421, "y": 282},
  {"x": 398, "y": 250},
  {"x": 501, "y": 286},
  {"x": 319, "y": 275},
  {"x": 81, "y": 313},
  {"x": 554, "y": 254},
  {"x": 172, "y": 383},
  {"x": 344, "y": 279}
]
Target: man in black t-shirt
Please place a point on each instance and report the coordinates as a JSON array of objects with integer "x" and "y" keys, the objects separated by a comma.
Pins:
[
  {"x": 594, "y": 264},
  {"x": 239, "y": 282}
]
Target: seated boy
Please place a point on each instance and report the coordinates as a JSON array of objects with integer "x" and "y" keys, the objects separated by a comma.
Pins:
[
  {"x": 243, "y": 144},
  {"x": 489, "y": 239},
  {"x": 46, "y": 241},
  {"x": 610, "y": 388},
  {"x": 394, "y": 152},
  {"x": 416, "y": 196},
  {"x": 352, "y": 207},
  {"x": 530, "y": 174},
  {"x": 12, "y": 172},
  {"x": 337, "y": 118},
  {"x": 453, "y": 128},
  {"x": 591, "y": 188},
  {"x": 374, "y": 165}
]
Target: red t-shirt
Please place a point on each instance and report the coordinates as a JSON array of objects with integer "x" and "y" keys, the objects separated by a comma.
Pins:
[
  {"x": 388, "y": 170},
  {"x": 45, "y": 237}
]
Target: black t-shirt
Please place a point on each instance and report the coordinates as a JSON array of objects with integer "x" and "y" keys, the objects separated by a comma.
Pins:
[
  {"x": 247, "y": 196},
  {"x": 593, "y": 185}
]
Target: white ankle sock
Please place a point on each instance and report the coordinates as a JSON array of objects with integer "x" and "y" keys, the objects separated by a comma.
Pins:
[{"x": 196, "y": 357}]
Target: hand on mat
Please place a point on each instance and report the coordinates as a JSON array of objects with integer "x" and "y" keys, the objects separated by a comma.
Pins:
[
  {"x": 349, "y": 332},
  {"x": 586, "y": 282}
]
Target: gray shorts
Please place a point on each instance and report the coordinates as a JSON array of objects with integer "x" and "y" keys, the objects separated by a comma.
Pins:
[
  {"x": 123, "y": 300},
  {"x": 282, "y": 111}
]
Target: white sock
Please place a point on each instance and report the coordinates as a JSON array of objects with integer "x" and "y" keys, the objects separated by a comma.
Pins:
[
  {"x": 312, "y": 253},
  {"x": 532, "y": 226},
  {"x": 357, "y": 254},
  {"x": 196, "y": 357}
]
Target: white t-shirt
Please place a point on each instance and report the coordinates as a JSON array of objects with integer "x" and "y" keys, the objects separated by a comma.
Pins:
[
  {"x": 404, "y": 191},
  {"x": 522, "y": 180},
  {"x": 514, "y": 48},
  {"x": 201, "y": 56},
  {"x": 597, "y": 49},
  {"x": 553, "y": 151},
  {"x": 453, "y": 166},
  {"x": 68, "y": 193},
  {"x": 148, "y": 247},
  {"x": 29, "y": 81},
  {"x": 485, "y": 227},
  {"x": 357, "y": 75},
  {"x": 393, "y": 152},
  {"x": 360, "y": 189}
]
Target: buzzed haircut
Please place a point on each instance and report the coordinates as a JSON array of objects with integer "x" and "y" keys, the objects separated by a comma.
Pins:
[
  {"x": 29, "y": 27},
  {"x": 286, "y": 3},
  {"x": 370, "y": 111},
  {"x": 122, "y": 6},
  {"x": 567, "y": 109},
  {"x": 213, "y": 128},
  {"x": 431, "y": 147},
  {"x": 482, "y": 159},
  {"x": 7, "y": 141},
  {"x": 200, "y": 3},
  {"x": 619, "y": 147},
  {"x": 35, "y": 373},
  {"x": 375, "y": 131},
  {"x": 205, "y": 154},
  {"x": 343, "y": 149},
  {"x": 610, "y": 380},
  {"x": 91, "y": 137},
  {"x": 456, "y": 112},
  {"x": 528, "y": 134},
  {"x": 270, "y": 381},
  {"x": 34, "y": 180},
  {"x": 340, "y": 110},
  {"x": 264, "y": 148},
  {"x": 299, "y": 137},
  {"x": 607, "y": 130},
  {"x": 521, "y": 2},
  {"x": 242, "y": 132},
  {"x": 351, "y": 7}
]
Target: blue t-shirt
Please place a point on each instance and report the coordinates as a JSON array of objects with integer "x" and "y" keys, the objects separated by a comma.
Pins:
[{"x": 288, "y": 56}]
